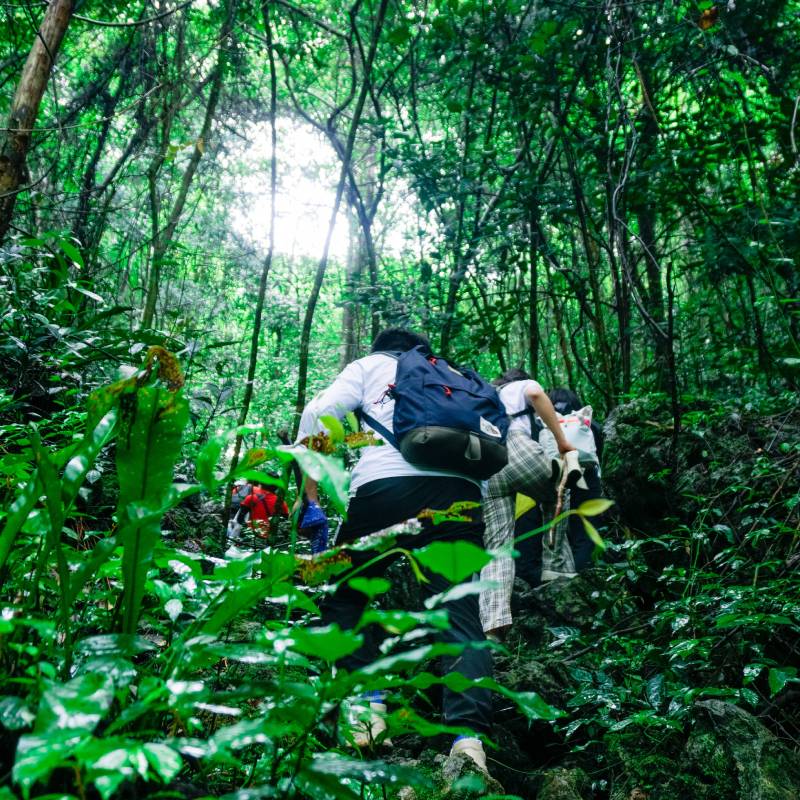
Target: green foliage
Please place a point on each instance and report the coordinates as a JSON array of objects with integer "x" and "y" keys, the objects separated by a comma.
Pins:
[{"x": 149, "y": 667}]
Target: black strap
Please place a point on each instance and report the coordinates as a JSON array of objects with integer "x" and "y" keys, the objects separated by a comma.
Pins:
[
  {"x": 370, "y": 420},
  {"x": 381, "y": 429}
]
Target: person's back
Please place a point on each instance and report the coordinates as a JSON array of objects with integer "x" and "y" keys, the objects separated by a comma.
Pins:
[
  {"x": 262, "y": 505},
  {"x": 529, "y": 471},
  {"x": 529, "y": 565},
  {"x": 388, "y": 490}
]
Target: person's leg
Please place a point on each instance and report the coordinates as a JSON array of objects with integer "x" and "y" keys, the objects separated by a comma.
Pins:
[
  {"x": 582, "y": 546},
  {"x": 473, "y": 707},
  {"x": 529, "y": 471},
  {"x": 495, "y": 604},
  {"x": 529, "y": 562},
  {"x": 383, "y": 503}
]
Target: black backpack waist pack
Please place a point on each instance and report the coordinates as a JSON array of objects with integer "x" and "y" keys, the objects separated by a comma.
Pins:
[{"x": 445, "y": 417}]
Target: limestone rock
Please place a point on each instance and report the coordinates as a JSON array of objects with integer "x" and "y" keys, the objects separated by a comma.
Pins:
[
  {"x": 564, "y": 784},
  {"x": 729, "y": 745},
  {"x": 464, "y": 781}
]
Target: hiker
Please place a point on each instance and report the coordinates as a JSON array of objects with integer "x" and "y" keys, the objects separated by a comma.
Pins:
[
  {"x": 260, "y": 505},
  {"x": 386, "y": 490},
  {"x": 239, "y": 491},
  {"x": 529, "y": 563},
  {"x": 529, "y": 471}
]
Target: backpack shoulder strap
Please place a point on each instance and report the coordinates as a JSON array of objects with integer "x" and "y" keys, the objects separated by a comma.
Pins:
[
  {"x": 381, "y": 429},
  {"x": 370, "y": 420}
]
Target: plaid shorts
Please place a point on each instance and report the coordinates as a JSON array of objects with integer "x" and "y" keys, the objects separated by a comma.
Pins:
[{"x": 529, "y": 471}]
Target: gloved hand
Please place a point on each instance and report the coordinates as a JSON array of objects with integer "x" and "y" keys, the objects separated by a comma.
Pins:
[
  {"x": 234, "y": 529},
  {"x": 314, "y": 525}
]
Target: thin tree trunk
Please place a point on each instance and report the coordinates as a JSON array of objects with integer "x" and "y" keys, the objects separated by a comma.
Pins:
[
  {"x": 352, "y": 283},
  {"x": 16, "y": 141},
  {"x": 164, "y": 238},
  {"x": 267, "y": 265},
  {"x": 533, "y": 296},
  {"x": 305, "y": 337}
]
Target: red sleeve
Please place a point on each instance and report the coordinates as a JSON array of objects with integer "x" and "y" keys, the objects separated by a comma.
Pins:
[{"x": 249, "y": 501}]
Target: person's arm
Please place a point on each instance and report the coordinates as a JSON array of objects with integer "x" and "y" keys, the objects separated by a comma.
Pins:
[
  {"x": 311, "y": 490},
  {"x": 544, "y": 408},
  {"x": 343, "y": 395}
]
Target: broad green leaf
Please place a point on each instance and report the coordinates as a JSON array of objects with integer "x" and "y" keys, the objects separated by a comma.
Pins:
[
  {"x": 779, "y": 677},
  {"x": 334, "y": 427},
  {"x": 173, "y": 607},
  {"x": 39, "y": 754},
  {"x": 148, "y": 445},
  {"x": 400, "y": 622},
  {"x": 456, "y": 561},
  {"x": 591, "y": 508},
  {"x": 164, "y": 760},
  {"x": 369, "y": 772},
  {"x": 77, "y": 705},
  {"x": 15, "y": 713},
  {"x": 329, "y": 643},
  {"x": 72, "y": 252},
  {"x": 327, "y": 471},
  {"x": 371, "y": 587}
]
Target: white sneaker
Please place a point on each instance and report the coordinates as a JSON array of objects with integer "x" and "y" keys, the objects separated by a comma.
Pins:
[
  {"x": 473, "y": 748},
  {"x": 368, "y": 724}
]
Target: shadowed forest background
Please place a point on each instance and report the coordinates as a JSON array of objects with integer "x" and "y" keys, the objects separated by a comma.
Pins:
[{"x": 604, "y": 194}]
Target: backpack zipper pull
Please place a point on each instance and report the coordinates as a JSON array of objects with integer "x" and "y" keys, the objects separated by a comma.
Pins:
[{"x": 448, "y": 391}]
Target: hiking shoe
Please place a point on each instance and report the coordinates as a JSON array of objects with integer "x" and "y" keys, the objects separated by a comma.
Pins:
[
  {"x": 368, "y": 725},
  {"x": 472, "y": 748}
]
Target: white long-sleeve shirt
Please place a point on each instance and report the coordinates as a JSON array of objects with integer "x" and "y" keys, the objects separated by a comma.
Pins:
[
  {"x": 364, "y": 384},
  {"x": 514, "y": 396}
]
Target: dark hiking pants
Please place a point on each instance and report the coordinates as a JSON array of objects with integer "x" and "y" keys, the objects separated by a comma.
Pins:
[{"x": 390, "y": 501}]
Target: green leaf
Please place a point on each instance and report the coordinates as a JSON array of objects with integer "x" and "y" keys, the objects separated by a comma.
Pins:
[
  {"x": 91, "y": 295},
  {"x": 173, "y": 607},
  {"x": 334, "y": 427},
  {"x": 456, "y": 561},
  {"x": 329, "y": 643},
  {"x": 591, "y": 508},
  {"x": 39, "y": 754},
  {"x": 72, "y": 253},
  {"x": 77, "y": 705},
  {"x": 14, "y": 713},
  {"x": 779, "y": 677},
  {"x": 327, "y": 471},
  {"x": 371, "y": 587},
  {"x": 148, "y": 445},
  {"x": 593, "y": 533},
  {"x": 17, "y": 514},
  {"x": 164, "y": 760}
]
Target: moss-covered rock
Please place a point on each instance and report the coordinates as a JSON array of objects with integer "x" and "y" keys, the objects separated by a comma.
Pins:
[
  {"x": 565, "y": 784},
  {"x": 732, "y": 749}
]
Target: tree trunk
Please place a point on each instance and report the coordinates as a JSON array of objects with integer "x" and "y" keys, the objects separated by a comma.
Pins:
[
  {"x": 163, "y": 239},
  {"x": 16, "y": 141},
  {"x": 305, "y": 336},
  {"x": 267, "y": 266},
  {"x": 352, "y": 283},
  {"x": 533, "y": 298}
]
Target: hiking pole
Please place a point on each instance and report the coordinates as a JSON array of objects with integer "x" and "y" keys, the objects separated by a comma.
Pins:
[{"x": 562, "y": 485}]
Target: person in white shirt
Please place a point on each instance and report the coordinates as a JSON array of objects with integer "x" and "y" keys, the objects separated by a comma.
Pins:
[
  {"x": 387, "y": 490},
  {"x": 529, "y": 471}
]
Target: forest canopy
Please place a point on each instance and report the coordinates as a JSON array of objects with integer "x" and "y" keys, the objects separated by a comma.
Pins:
[{"x": 209, "y": 207}]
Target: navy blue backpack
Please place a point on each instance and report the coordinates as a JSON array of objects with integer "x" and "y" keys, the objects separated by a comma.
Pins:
[{"x": 445, "y": 418}]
